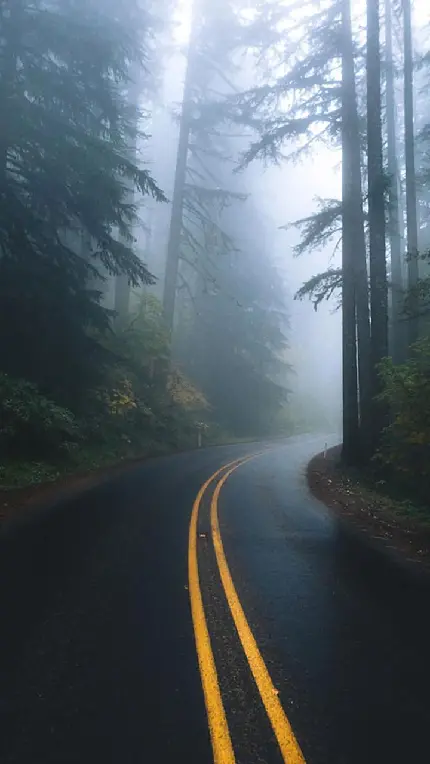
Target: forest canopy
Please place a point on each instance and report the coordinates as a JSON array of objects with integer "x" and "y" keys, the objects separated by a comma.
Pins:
[{"x": 89, "y": 362}]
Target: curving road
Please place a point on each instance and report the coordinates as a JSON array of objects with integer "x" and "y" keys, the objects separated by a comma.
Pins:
[{"x": 299, "y": 645}]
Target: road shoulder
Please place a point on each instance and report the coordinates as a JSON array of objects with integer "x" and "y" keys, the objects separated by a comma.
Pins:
[
  {"x": 387, "y": 526},
  {"x": 16, "y": 504}
]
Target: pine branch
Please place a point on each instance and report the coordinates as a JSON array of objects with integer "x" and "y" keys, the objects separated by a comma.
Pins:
[
  {"x": 321, "y": 287},
  {"x": 319, "y": 228}
]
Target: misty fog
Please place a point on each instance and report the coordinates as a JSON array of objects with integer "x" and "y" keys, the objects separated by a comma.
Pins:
[{"x": 283, "y": 194}]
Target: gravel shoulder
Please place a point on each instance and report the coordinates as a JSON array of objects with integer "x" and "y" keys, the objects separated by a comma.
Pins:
[{"x": 398, "y": 528}]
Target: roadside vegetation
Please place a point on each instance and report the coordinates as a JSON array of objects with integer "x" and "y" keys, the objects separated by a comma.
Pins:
[
  {"x": 76, "y": 389},
  {"x": 96, "y": 365}
]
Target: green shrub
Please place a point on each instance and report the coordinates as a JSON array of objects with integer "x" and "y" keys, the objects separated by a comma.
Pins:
[
  {"x": 406, "y": 389},
  {"x": 31, "y": 425},
  {"x": 133, "y": 411},
  {"x": 136, "y": 405}
]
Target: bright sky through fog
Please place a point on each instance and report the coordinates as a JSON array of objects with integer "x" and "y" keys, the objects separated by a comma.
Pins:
[{"x": 183, "y": 20}]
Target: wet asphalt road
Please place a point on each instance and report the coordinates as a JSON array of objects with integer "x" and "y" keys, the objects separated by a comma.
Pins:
[{"x": 97, "y": 653}]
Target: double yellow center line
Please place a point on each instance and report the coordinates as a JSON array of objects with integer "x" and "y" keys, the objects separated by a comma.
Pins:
[{"x": 220, "y": 735}]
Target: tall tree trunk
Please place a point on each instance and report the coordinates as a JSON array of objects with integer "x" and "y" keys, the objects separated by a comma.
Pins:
[
  {"x": 122, "y": 284},
  {"x": 354, "y": 248},
  {"x": 376, "y": 183},
  {"x": 351, "y": 446},
  {"x": 411, "y": 190},
  {"x": 351, "y": 436},
  {"x": 397, "y": 326},
  {"x": 174, "y": 241}
]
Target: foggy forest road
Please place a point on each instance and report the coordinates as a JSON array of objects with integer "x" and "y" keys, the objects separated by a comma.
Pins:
[{"x": 97, "y": 644}]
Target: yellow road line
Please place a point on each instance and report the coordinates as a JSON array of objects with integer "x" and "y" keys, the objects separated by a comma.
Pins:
[
  {"x": 218, "y": 727},
  {"x": 287, "y": 742}
]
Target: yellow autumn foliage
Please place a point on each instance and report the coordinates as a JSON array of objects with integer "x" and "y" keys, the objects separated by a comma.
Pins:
[
  {"x": 122, "y": 398},
  {"x": 185, "y": 393}
]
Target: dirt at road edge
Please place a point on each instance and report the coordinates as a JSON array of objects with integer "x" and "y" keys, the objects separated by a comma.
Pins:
[{"x": 382, "y": 523}]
